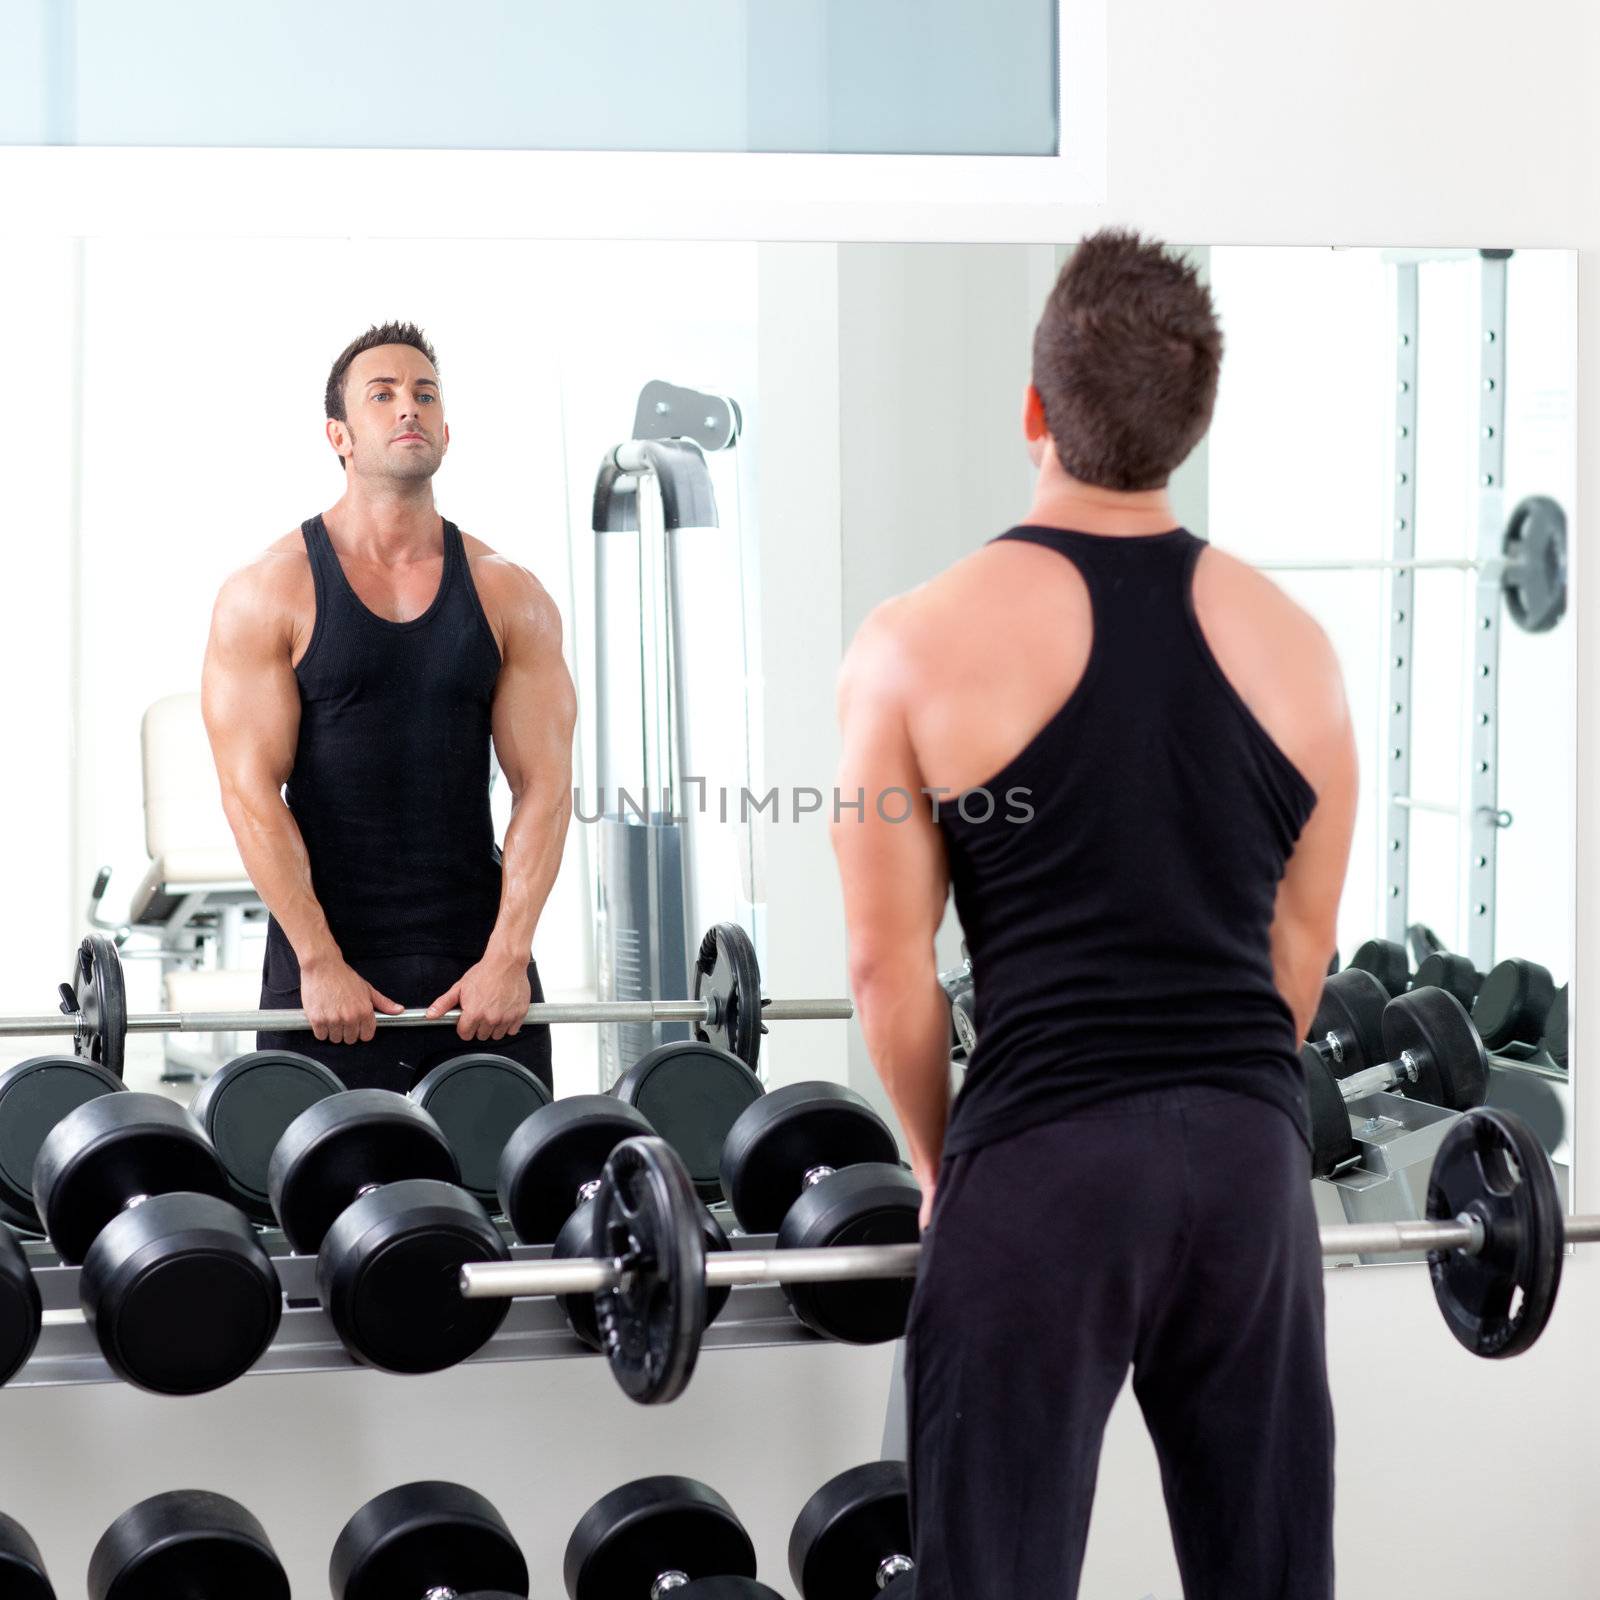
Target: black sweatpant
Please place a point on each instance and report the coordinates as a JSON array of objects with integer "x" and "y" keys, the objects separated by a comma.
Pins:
[
  {"x": 1172, "y": 1232},
  {"x": 396, "y": 1057}
]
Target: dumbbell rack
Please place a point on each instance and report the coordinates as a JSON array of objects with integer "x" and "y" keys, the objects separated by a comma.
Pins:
[{"x": 534, "y": 1329}]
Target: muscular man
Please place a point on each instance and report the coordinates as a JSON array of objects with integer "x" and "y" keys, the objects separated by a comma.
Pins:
[
  {"x": 356, "y": 675},
  {"x": 1157, "y": 787}
]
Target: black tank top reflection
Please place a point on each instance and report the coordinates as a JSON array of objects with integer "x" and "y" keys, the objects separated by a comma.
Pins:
[
  {"x": 1120, "y": 935},
  {"x": 390, "y": 786}
]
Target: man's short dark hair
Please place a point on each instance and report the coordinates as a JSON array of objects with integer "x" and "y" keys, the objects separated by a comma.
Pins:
[
  {"x": 383, "y": 333},
  {"x": 1126, "y": 359}
]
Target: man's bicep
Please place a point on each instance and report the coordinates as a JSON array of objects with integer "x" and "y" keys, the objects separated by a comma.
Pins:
[
  {"x": 535, "y": 706},
  {"x": 248, "y": 693},
  {"x": 1313, "y": 882}
]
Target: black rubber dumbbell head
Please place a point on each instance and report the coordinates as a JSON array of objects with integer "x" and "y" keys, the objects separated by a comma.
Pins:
[
  {"x": 188, "y": 1543},
  {"x": 426, "y": 1538},
  {"x": 1454, "y": 974},
  {"x": 1348, "y": 1024},
  {"x": 1555, "y": 1029},
  {"x": 245, "y": 1109},
  {"x": 1333, "y": 1145},
  {"x": 1514, "y": 1003},
  {"x": 34, "y": 1096},
  {"x": 632, "y": 1538},
  {"x": 22, "y": 1574},
  {"x": 1433, "y": 1030},
  {"x": 725, "y": 1589},
  {"x": 554, "y": 1154},
  {"x": 1387, "y": 962},
  {"x": 692, "y": 1094},
  {"x": 174, "y": 1282},
  {"x": 479, "y": 1101},
  {"x": 852, "y": 1539},
  {"x": 21, "y": 1309},
  {"x": 789, "y": 1137}
]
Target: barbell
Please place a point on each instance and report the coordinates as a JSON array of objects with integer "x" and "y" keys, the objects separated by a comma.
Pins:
[{"x": 1494, "y": 1233}]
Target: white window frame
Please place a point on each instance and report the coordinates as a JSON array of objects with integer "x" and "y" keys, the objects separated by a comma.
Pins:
[{"x": 564, "y": 194}]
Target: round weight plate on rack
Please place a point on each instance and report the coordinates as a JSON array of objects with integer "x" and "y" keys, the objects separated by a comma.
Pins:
[
  {"x": 647, "y": 1218},
  {"x": 727, "y": 973},
  {"x": 425, "y": 1538},
  {"x": 1434, "y": 1028},
  {"x": 1490, "y": 1167},
  {"x": 480, "y": 1100},
  {"x": 691, "y": 1094},
  {"x": 21, "y": 1317},
  {"x": 554, "y": 1153},
  {"x": 848, "y": 1530},
  {"x": 246, "y": 1108},
  {"x": 1535, "y": 548},
  {"x": 646, "y": 1529},
  {"x": 97, "y": 1000},
  {"x": 34, "y": 1096},
  {"x": 186, "y": 1542},
  {"x": 1351, "y": 1009},
  {"x": 1514, "y": 1003}
]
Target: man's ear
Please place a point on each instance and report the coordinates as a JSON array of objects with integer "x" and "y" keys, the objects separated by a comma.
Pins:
[
  {"x": 1034, "y": 427},
  {"x": 338, "y": 436}
]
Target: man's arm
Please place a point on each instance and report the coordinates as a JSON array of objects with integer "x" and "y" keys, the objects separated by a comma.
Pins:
[
  {"x": 535, "y": 709},
  {"x": 895, "y": 882},
  {"x": 251, "y": 705}
]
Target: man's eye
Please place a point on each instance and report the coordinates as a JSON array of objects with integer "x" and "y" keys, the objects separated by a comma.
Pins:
[
  {"x": 426, "y": 398},
  {"x": 380, "y": 394}
]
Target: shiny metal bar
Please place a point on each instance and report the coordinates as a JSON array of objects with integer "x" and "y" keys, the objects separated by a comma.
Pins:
[
  {"x": 545, "y": 1011},
  {"x": 509, "y": 1280},
  {"x": 1358, "y": 564}
]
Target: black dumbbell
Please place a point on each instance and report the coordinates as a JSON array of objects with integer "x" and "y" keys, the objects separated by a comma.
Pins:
[
  {"x": 1514, "y": 1003},
  {"x": 189, "y": 1543},
  {"x": 479, "y": 1101},
  {"x": 367, "y": 1182},
  {"x": 1454, "y": 974},
  {"x": 245, "y": 1108},
  {"x": 174, "y": 1282},
  {"x": 427, "y": 1541},
  {"x": 852, "y": 1539},
  {"x": 1387, "y": 961},
  {"x": 692, "y": 1093},
  {"x": 1555, "y": 1029},
  {"x": 549, "y": 1173},
  {"x": 1348, "y": 1026},
  {"x": 654, "y": 1537},
  {"x": 816, "y": 1163},
  {"x": 22, "y": 1574}
]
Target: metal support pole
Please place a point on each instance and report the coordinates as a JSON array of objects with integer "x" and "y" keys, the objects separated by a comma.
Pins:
[
  {"x": 1484, "y": 778},
  {"x": 1402, "y": 591}
]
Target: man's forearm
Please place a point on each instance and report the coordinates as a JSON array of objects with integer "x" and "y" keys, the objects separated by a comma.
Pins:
[
  {"x": 529, "y": 862},
  {"x": 274, "y": 855},
  {"x": 906, "y": 1020}
]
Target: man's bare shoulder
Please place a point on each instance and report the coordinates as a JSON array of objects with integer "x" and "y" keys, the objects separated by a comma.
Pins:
[
  {"x": 1234, "y": 597},
  {"x": 515, "y": 601},
  {"x": 270, "y": 592}
]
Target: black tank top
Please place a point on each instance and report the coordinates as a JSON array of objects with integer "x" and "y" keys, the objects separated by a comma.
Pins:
[
  {"x": 1120, "y": 935},
  {"x": 390, "y": 786}
]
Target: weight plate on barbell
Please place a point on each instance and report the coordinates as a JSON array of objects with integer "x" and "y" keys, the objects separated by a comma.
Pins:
[
  {"x": 647, "y": 1218},
  {"x": 1490, "y": 1167},
  {"x": 99, "y": 1004},
  {"x": 726, "y": 971},
  {"x": 1535, "y": 548}
]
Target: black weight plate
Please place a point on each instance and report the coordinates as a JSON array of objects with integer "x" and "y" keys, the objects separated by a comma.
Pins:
[
  {"x": 790, "y": 1132},
  {"x": 110, "y": 1150},
  {"x": 1435, "y": 1028},
  {"x": 1513, "y": 1003},
  {"x": 636, "y": 1534},
  {"x": 21, "y": 1316},
  {"x": 726, "y": 971},
  {"x": 1452, "y": 973},
  {"x": 576, "y": 1241},
  {"x": 1387, "y": 962},
  {"x": 869, "y": 1204},
  {"x": 245, "y": 1109},
  {"x": 422, "y": 1538},
  {"x": 389, "y": 1275},
  {"x": 343, "y": 1144},
  {"x": 1332, "y": 1144},
  {"x": 691, "y": 1094},
  {"x": 1351, "y": 1010},
  {"x": 1535, "y": 547},
  {"x": 188, "y": 1542},
  {"x": 554, "y": 1153},
  {"x": 180, "y": 1295},
  {"x": 22, "y": 1574},
  {"x": 34, "y": 1096},
  {"x": 102, "y": 1004},
  {"x": 1555, "y": 1029},
  {"x": 479, "y": 1101},
  {"x": 647, "y": 1218},
  {"x": 848, "y": 1529},
  {"x": 1490, "y": 1166}
]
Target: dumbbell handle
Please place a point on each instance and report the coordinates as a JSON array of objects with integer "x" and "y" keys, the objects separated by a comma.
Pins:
[{"x": 1386, "y": 1075}]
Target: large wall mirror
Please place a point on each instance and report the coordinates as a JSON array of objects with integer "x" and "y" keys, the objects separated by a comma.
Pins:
[{"x": 718, "y": 458}]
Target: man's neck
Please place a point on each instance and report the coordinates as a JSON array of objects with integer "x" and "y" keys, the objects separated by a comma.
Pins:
[
  {"x": 386, "y": 525},
  {"x": 1062, "y": 501}
]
